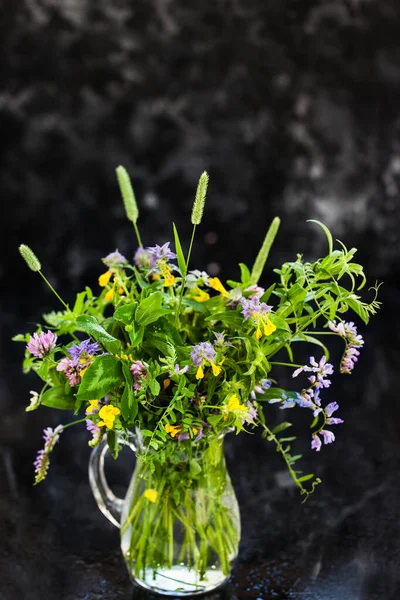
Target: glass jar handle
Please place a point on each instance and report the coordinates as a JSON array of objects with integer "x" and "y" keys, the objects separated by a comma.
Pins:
[{"x": 109, "y": 504}]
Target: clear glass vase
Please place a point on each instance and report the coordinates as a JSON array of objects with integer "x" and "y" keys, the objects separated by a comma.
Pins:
[{"x": 180, "y": 521}]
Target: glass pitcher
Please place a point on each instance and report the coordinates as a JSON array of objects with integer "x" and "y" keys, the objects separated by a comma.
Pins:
[{"x": 180, "y": 521}]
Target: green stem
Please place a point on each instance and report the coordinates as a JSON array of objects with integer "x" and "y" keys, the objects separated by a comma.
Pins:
[
  {"x": 54, "y": 292},
  {"x": 184, "y": 277},
  {"x": 74, "y": 423},
  {"x": 137, "y": 234},
  {"x": 283, "y": 364}
]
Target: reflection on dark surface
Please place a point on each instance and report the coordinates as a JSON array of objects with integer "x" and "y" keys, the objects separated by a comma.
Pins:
[{"x": 293, "y": 109}]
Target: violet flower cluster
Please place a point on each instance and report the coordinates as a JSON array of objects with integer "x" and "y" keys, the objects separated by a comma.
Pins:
[
  {"x": 80, "y": 358},
  {"x": 139, "y": 373},
  {"x": 348, "y": 331},
  {"x": 42, "y": 461},
  {"x": 310, "y": 398}
]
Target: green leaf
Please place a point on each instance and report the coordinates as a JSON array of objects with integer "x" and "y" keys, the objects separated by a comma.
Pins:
[
  {"x": 262, "y": 256},
  {"x": 244, "y": 273},
  {"x": 214, "y": 419},
  {"x": 56, "y": 398},
  {"x": 102, "y": 376},
  {"x": 326, "y": 231},
  {"x": 305, "y": 478},
  {"x": 93, "y": 328},
  {"x": 195, "y": 468},
  {"x": 146, "y": 432},
  {"x": 265, "y": 297},
  {"x": 149, "y": 309},
  {"x": 79, "y": 303},
  {"x": 21, "y": 338},
  {"x": 136, "y": 337},
  {"x": 281, "y": 427},
  {"x": 154, "y": 387},
  {"x": 232, "y": 318},
  {"x": 179, "y": 253},
  {"x": 125, "y": 313},
  {"x": 358, "y": 309},
  {"x": 296, "y": 294},
  {"x": 197, "y": 306},
  {"x": 129, "y": 404}
]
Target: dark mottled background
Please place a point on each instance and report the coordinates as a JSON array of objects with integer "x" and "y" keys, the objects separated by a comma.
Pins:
[{"x": 292, "y": 107}]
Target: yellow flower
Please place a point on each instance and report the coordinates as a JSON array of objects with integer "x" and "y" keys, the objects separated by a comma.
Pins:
[
  {"x": 120, "y": 291},
  {"x": 173, "y": 430},
  {"x": 108, "y": 414},
  {"x": 267, "y": 325},
  {"x": 200, "y": 373},
  {"x": 109, "y": 296},
  {"x": 234, "y": 406},
  {"x": 94, "y": 405},
  {"x": 216, "y": 284},
  {"x": 199, "y": 295},
  {"x": 83, "y": 371},
  {"x": 169, "y": 279},
  {"x": 105, "y": 278},
  {"x": 215, "y": 369},
  {"x": 151, "y": 495}
]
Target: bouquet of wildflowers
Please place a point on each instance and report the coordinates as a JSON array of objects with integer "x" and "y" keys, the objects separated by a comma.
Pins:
[{"x": 183, "y": 357}]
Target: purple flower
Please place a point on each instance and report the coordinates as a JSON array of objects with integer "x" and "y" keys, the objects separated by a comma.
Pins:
[
  {"x": 348, "y": 331},
  {"x": 350, "y": 357},
  {"x": 331, "y": 408},
  {"x": 42, "y": 461},
  {"x": 142, "y": 258},
  {"x": 334, "y": 421},
  {"x": 235, "y": 297},
  {"x": 260, "y": 388},
  {"x": 200, "y": 433},
  {"x": 139, "y": 373},
  {"x": 252, "y": 307},
  {"x": 160, "y": 253},
  {"x": 178, "y": 370},
  {"x": 220, "y": 343},
  {"x": 41, "y": 345},
  {"x": 183, "y": 436},
  {"x": 71, "y": 371},
  {"x": 256, "y": 291},
  {"x": 305, "y": 400},
  {"x": 202, "y": 351},
  {"x": 316, "y": 442},
  {"x": 328, "y": 436},
  {"x": 321, "y": 370},
  {"x": 84, "y": 352},
  {"x": 115, "y": 259},
  {"x": 252, "y": 414},
  {"x": 95, "y": 431}
]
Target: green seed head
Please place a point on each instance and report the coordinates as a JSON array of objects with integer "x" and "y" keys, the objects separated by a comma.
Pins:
[
  {"x": 30, "y": 258},
  {"x": 128, "y": 196},
  {"x": 200, "y": 200}
]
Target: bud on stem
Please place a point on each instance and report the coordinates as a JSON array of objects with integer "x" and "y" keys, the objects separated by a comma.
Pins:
[
  {"x": 200, "y": 199},
  {"x": 30, "y": 258}
]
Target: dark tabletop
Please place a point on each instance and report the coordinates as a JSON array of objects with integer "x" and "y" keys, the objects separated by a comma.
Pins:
[{"x": 293, "y": 109}]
